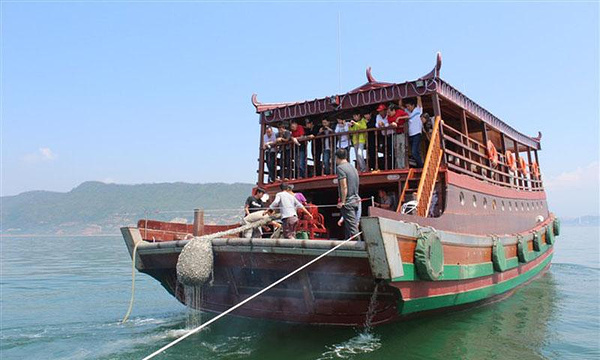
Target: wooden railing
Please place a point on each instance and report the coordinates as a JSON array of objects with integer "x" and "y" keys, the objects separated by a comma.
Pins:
[
  {"x": 311, "y": 156},
  {"x": 468, "y": 156},
  {"x": 430, "y": 171}
]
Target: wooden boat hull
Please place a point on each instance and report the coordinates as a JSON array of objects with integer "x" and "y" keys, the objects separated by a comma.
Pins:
[{"x": 339, "y": 289}]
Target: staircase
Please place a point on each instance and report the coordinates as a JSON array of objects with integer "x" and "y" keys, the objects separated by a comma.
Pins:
[{"x": 430, "y": 171}]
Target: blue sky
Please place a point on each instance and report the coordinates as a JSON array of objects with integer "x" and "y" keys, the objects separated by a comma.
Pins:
[{"x": 160, "y": 92}]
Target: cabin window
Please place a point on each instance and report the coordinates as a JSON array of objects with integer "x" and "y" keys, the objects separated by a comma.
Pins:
[
  {"x": 510, "y": 206},
  {"x": 493, "y": 204},
  {"x": 502, "y": 205},
  {"x": 485, "y": 203},
  {"x": 527, "y": 206},
  {"x": 474, "y": 201},
  {"x": 461, "y": 198}
]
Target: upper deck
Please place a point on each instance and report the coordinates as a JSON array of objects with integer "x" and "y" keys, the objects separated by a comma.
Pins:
[{"x": 467, "y": 132}]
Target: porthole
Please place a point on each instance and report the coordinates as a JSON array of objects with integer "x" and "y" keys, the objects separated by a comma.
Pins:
[
  {"x": 461, "y": 198},
  {"x": 502, "y": 205},
  {"x": 493, "y": 204},
  {"x": 485, "y": 203},
  {"x": 474, "y": 201}
]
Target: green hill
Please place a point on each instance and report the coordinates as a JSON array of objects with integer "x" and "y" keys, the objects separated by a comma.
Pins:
[{"x": 95, "y": 207}]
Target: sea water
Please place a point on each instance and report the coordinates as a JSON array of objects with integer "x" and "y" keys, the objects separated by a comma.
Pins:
[{"x": 64, "y": 297}]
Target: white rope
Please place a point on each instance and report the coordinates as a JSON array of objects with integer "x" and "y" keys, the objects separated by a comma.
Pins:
[
  {"x": 195, "y": 330},
  {"x": 132, "y": 283}
]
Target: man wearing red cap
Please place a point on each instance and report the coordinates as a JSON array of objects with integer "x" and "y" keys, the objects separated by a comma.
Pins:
[{"x": 397, "y": 117}]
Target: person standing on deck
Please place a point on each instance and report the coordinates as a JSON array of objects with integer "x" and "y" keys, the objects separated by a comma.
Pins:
[
  {"x": 285, "y": 138},
  {"x": 316, "y": 147},
  {"x": 326, "y": 142},
  {"x": 359, "y": 139},
  {"x": 343, "y": 141},
  {"x": 371, "y": 149},
  {"x": 385, "y": 138},
  {"x": 397, "y": 117},
  {"x": 253, "y": 204},
  {"x": 300, "y": 153},
  {"x": 348, "y": 182},
  {"x": 415, "y": 127},
  {"x": 270, "y": 148},
  {"x": 287, "y": 204}
]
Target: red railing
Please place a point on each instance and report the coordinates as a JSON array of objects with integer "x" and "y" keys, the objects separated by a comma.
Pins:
[{"x": 468, "y": 156}]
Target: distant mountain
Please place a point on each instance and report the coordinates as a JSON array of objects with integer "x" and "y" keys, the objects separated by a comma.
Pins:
[
  {"x": 589, "y": 220},
  {"x": 95, "y": 207}
]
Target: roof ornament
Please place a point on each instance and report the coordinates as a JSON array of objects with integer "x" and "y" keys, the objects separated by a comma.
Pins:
[
  {"x": 255, "y": 101},
  {"x": 370, "y": 77},
  {"x": 435, "y": 73},
  {"x": 539, "y": 137}
]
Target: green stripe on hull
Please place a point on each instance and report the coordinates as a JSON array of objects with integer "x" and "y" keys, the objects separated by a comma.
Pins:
[
  {"x": 463, "y": 272},
  {"x": 435, "y": 302}
]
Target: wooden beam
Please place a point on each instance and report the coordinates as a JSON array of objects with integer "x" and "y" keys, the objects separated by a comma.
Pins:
[{"x": 261, "y": 153}]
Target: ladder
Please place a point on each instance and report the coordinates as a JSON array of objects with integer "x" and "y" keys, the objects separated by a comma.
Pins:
[{"x": 430, "y": 171}]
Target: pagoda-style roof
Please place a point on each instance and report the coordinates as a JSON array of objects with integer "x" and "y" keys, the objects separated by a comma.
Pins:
[{"x": 375, "y": 92}]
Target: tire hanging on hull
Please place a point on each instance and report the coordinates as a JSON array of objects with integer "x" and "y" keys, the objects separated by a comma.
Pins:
[
  {"x": 429, "y": 256},
  {"x": 550, "y": 234},
  {"x": 499, "y": 256},
  {"x": 522, "y": 250}
]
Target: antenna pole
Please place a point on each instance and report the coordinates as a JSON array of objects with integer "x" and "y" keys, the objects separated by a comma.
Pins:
[{"x": 339, "y": 54}]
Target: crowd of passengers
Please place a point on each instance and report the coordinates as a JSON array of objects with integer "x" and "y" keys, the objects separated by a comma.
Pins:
[
  {"x": 301, "y": 216},
  {"x": 286, "y": 145}
]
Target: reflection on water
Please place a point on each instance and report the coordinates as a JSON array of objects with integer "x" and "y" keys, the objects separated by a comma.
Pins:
[{"x": 63, "y": 298}]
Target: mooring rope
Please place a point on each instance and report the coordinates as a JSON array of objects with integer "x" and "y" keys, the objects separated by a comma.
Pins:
[
  {"x": 133, "y": 254},
  {"x": 195, "y": 330}
]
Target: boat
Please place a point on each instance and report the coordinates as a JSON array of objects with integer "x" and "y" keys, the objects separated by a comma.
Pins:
[{"x": 470, "y": 227}]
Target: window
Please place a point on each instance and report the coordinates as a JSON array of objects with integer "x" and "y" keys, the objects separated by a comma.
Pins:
[
  {"x": 494, "y": 204},
  {"x": 474, "y": 201},
  {"x": 485, "y": 203},
  {"x": 461, "y": 198},
  {"x": 510, "y": 206},
  {"x": 502, "y": 205}
]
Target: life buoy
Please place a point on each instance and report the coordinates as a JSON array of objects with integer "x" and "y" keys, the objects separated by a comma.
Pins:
[
  {"x": 429, "y": 256},
  {"x": 523, "y": 250},
  {"x": 499, "y": 256},
  {"x": 523, "y": 166},
  {"x": 535, "y": 169},
  {"x": 510, "y": 161},
  {"x": 492, "y": 153}
]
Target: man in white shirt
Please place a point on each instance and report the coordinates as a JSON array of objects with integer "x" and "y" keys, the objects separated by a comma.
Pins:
[
  {"x": 386, "y": 137},
  {"x": 343, "y": 140},
  {"x": 270, "y": 148},
  {"x": 415, "y": 127},
  {"x": 287, "y": 204}
]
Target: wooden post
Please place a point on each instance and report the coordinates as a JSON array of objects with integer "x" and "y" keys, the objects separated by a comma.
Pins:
[
  {"x": 437, "y": 111},
  {"x": 261, "y": 152},
  {"x": 198, "y": 228},
  {"x": 485, "y": 140},
  {"x": 507, "y": 179},
  {"x": 517, "y": 157},
  {"x": 531, "y": 185}
]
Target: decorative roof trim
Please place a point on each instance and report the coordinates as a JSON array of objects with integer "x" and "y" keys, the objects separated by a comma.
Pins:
[{"x": 449, "y": 92}]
